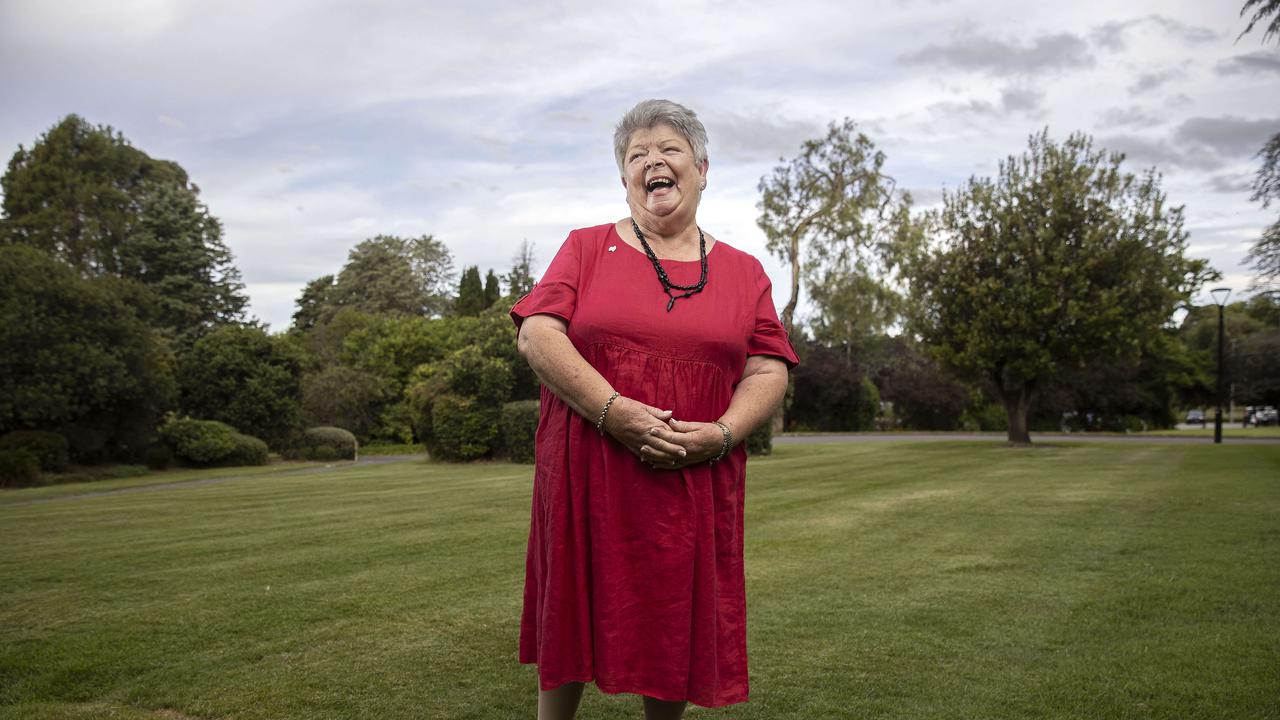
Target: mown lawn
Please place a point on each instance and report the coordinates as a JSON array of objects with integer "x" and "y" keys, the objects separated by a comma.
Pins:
[{"x": 885, "y": 580}]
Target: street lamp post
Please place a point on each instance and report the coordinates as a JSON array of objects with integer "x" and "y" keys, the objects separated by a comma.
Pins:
[{"x": 1220, "y": 296}]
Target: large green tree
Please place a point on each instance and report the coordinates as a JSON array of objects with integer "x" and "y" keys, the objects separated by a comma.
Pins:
[
  {"x": 247, "y": 379},
  {"x": 1062, "y": 259},
  {"x": 87, "y": 197},
  {"x": 834, "y": 216},
  {"x": 384, "y": 275},
  {"x": 75, "y": 358}
]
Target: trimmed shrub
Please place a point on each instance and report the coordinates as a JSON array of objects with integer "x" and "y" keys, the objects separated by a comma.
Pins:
[
  {"x": 462, "y": 428},
  {"x": 199, "y": 442},
  {"x": 18, "y": 468},
  {"x": 50, "y": 449},
  {"x": 249, "y": 450},
  {"x": 760, "y": 441},
  {"x": 208, "y": 442},
  {"x": 324, "y": 443},
  {"x": 519, "y": 428},
  {"x": 158, "y": 457}
]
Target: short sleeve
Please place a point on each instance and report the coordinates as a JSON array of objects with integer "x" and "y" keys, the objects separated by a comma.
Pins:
[
  {"x": 769, "y": 337},
  {"x": 557, "y": 292}
]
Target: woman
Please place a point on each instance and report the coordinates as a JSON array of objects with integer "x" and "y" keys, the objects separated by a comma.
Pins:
[{"x": 659, "y": 350}]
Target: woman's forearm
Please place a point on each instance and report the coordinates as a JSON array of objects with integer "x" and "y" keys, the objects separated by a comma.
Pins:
[
  {"x": 756, "y": 398},
  {"x": 560, "y": 366}
]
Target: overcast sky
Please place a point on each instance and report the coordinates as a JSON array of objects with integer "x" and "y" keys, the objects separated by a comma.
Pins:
[{"x": 310, "y": 126}]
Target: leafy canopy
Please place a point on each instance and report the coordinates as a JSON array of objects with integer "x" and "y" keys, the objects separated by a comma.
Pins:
[{"x": 1059, "y": 260}]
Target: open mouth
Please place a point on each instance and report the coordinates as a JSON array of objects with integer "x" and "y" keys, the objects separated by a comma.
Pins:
[{"x": 659, "y": 183}]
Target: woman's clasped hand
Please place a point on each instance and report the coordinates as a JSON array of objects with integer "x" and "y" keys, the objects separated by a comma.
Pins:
[{"x": 659, "y": 440}]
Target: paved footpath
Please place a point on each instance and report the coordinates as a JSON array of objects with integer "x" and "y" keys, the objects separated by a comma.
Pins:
[{"x": 1001, "y": 437}]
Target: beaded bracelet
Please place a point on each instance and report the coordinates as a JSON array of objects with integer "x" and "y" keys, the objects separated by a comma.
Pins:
[
  {"x": 605, "y": 411},
  {"x": 728, "y": 441}
]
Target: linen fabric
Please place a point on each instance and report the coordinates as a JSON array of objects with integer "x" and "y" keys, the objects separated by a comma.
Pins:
[{"x": 634, "y": 576}]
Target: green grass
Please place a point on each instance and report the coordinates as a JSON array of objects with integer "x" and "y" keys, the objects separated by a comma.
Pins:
[{"x": 885, "y": 580}]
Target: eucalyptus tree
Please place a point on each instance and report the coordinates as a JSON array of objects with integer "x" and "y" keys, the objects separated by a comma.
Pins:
[
  {"x": 834, "y": 216},
  {"x": 1059, "y": 261},
  {"x": 1264, "y": 256}
]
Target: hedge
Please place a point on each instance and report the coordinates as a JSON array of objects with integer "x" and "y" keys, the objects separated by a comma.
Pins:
[
  {"x": 18, "y": 468},
  {"x": 50, "y": 449},
  {"x": 324, "y": 443},
  {"x": 208, "y": 442},
  {"x": 519, "y": 426},
  {"x": 462, "y": 428}
]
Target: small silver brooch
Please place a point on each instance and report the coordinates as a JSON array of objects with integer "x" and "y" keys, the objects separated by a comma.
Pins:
[{"x": 612, "y": 248}]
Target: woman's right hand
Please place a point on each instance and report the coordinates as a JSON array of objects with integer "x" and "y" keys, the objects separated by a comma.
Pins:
[{"x": 636, "y": 426}]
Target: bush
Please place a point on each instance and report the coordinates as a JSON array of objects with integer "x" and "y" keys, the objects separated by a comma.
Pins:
[
  {"x": 760, "y": 441},
  {"x": 199, "y": 442},
  {"x": 519, "y": 428},
  {"x": 462, "y": 428},
  {"x": 249, "y": 450},
  {"x": 50, "y": 449},
  {"x": 832, "y": 393},
  {"x": 208, "y": 442},
  {"x": 158, "y": 457},
  {"x": 18, "y": 468},
  {"x": 325, "y": 443}
]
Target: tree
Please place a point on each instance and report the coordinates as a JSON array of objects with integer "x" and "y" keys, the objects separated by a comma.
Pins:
[
  {"x": 834, "y": 216},
  {"x": 1062, "y": 259},
  {"x": 520, "y": 279},
  {"x": 471, "y": 300},
  {"x": 74, "y": 358},
  {"x": 313, "y": 303},
  {"x": 492, "y": 290},
  {"x": 832, "y": 393},
  {"x": 247, "y": 379},
  {"x": 1264, "y": 256},
  {"x": 385, "y": 275},
  {"x": 344, "y": 397},
  {"x": 1262, "y": 10},
  {"x": 86, "y": 196}
]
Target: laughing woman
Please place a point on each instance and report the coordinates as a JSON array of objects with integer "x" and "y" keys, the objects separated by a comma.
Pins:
[{"x": 659, "y": 349}]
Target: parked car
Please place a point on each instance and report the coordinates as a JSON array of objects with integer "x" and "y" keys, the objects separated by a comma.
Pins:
[
  {"x": 1195, "y": 417},
  {"x": 1264, "y": 416}
]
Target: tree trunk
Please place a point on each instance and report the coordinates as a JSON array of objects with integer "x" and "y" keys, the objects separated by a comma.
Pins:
[
  {"x": 788, "y": 312},
  {"x": 1017, "y": 402}
]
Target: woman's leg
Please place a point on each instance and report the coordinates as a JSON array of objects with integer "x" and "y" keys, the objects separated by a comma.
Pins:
[
  {"x": 655, "y": 709},
  {"x": 560, "y": 703}
]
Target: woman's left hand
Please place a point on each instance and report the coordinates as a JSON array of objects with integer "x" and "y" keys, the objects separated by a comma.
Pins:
[{"x": 701, "y": 441}]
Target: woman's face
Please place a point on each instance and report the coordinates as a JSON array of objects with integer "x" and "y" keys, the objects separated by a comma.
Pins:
[{"x": 660, "y": 174}]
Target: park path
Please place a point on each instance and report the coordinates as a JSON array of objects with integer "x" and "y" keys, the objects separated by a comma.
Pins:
[
  {"x": 779, "y": 440},
  {"x": 1001, "y": 437}
]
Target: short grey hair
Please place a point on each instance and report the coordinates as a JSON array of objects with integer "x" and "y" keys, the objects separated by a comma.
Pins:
[{"x": 652, "y": 113}]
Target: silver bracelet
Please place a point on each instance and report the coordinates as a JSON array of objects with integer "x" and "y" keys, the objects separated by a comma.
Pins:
[
  {"x": 605, "y": 411},
  {"x": 728, "y": 441}
]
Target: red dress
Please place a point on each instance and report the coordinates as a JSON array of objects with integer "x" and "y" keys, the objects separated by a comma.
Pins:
[{"x": 634, "y": 576}]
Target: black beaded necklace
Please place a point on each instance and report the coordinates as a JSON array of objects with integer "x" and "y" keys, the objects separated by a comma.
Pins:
[{"x": 667, "y": 285}]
